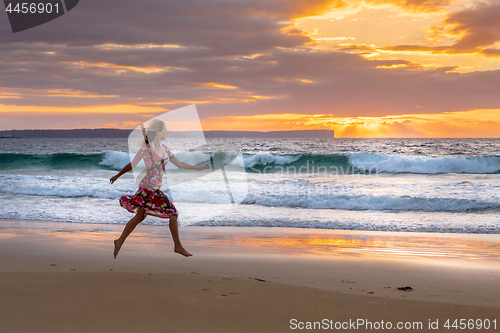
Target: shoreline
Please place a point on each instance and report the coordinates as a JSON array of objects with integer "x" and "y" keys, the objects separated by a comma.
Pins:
[{"x": 239, "y": 279}]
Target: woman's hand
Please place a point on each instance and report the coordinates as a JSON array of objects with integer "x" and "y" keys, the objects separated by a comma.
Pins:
[
  {"x": 125, "y": 169},
  {"x": 203, "y": 167},
  {"x": 113, "y": 179}
]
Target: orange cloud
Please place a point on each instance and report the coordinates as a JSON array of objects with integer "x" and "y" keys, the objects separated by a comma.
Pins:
[
  {"x": 119, "y": 68},
  {"x": 415, "y": 5},
  {"x": 9, "y": 95},
  {"x": 43, "y": 117},
  {"x": 55, "y": 111},
  {"x": 72, "y": 93},
  {"x": 476, "y": 29},
  {"x": 221, "y": 86},
  {"x": 477, "y": 123},
  {"x": 333, "y": 8},
  {"x": 306, "y": 8}
]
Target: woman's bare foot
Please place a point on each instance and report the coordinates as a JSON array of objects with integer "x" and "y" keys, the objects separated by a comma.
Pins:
[
  {"x": 118, "y": 245},
  {"x": 182, "y": 251}
]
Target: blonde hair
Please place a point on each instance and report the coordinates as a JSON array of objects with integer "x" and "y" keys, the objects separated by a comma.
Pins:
[{"x": 154, "y": 126}]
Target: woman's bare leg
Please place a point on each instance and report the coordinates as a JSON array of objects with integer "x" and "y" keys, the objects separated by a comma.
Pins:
[
  {"x": 174, "y": 230},
  {"x": 129, "y": 227}
]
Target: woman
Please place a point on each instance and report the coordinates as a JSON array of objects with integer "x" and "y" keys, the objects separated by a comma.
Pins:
[{"x": 149, "y": 199}]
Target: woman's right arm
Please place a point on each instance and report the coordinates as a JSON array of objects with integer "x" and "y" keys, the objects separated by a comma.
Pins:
[{"x": 127, "y": 168}]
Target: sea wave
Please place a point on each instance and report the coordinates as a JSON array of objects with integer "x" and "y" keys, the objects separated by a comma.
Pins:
[
  {"x": 62, "y": 187},
  {"x": 268, "y": 162},
  {"x": 369, "y": 163},
  {"x": 208, "y": 191},
  {"x": 10, "y": 161},
  {"x": 297, "y": 163},
  {"x": 114, "y": 159},
  {"x": 424, "y": 165},
  {"x": 264, "y": 159},
  {"x": 374, "y": 202},
  {"x": 108, "y": 160}
]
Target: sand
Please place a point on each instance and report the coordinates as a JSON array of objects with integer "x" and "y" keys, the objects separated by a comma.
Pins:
[{"x": 62, "y": 277}]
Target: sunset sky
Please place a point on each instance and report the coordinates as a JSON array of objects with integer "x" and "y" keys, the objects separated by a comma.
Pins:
[{"x": 381, "y": 68}]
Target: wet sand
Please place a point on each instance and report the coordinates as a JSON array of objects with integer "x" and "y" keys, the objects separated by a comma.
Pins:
[{"x": 61, "y": 277}]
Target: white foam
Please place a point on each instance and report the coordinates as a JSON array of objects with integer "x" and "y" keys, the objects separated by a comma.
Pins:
[
  {"x": 424, "y": 165},
  {"x": 64, "y": 187},
  {"x": 209, "y": 189},
  {"x": 115, "y": 159},
  {"x": 265, "y": 159},
  {"x": 371, "y": 202},
  {"x": 189, "y": 158}
]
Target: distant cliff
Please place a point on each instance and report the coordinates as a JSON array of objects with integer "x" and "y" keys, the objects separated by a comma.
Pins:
[
  {"x": 120, "y": 133},
  {"x": 322, "y": 134},
  {"x": 73, "y": 133}
]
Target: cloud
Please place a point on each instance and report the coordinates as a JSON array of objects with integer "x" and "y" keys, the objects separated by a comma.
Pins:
[
  {"x": 219, "y": 25},
  {"x": 476, "y": 28},
  {"x": 479, "y": 26},
  {"x": 477, "y": 123},
  {"x": 230, "y": 57}
]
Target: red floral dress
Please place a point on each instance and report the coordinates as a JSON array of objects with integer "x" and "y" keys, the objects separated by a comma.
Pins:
[{"x": 149, "y": 196}]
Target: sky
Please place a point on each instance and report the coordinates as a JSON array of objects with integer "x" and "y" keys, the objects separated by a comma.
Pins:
[{"x": 374, "y": 68}]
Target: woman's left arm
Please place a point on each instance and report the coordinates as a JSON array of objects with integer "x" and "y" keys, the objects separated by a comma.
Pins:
[{"x": 181, "y": 165}]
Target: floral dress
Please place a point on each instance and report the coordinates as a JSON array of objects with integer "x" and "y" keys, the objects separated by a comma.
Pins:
[{"x": 149, "y": 196}]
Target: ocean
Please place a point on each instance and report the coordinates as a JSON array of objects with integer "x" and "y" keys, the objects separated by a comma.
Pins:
[{"x": 407, "y": 185}]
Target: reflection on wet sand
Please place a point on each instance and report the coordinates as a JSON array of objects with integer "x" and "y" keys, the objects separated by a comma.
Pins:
[
  {"x": 332, "y": 242},
  {"x": 474, "y": 247}
]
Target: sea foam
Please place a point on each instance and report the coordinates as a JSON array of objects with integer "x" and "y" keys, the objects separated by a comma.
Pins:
[
  {"x": 372, "y": 202},
  {"x": 424, "y": 165}
]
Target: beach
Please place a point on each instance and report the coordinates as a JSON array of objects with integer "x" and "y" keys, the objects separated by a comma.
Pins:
[
  {"x": 395, "y": 235},
  {"x": 62, "y": 277},
  {"x": 330, "y": 166}
]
